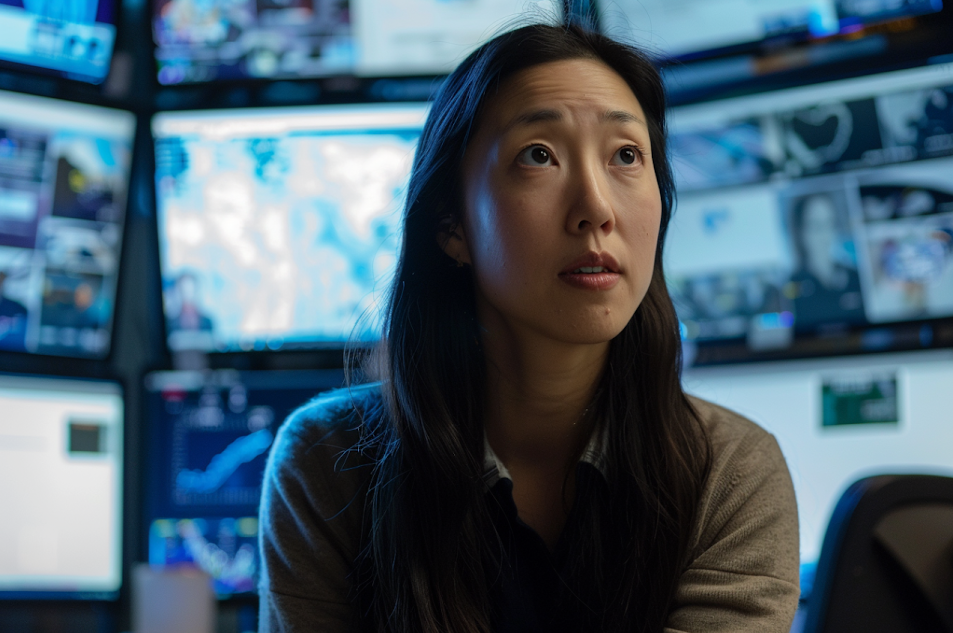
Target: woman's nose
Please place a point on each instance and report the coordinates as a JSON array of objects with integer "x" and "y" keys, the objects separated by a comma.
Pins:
[{"x": 590, "y": 208}]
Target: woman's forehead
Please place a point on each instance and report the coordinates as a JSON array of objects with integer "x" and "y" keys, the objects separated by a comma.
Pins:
[{"x": 563, "y": 89}]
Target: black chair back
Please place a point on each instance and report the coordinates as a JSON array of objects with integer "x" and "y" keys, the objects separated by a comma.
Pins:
[{"x": 886, "y": 563}]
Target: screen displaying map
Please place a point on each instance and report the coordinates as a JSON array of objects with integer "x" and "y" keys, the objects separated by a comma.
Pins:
[{"x": 279, "y": 227}]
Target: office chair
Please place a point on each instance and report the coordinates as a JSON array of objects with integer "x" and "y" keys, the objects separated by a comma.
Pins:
[{"x": 886, "y": 563}]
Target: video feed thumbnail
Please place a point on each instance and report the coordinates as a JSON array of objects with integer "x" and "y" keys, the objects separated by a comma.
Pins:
[
  {"x": 824, "y": 285},
  {"x": 728, "y": 260},
  {"x": 733, "y": 154},
  {"x": 860, "y": 11},
  {"x": 225, "y": 548},
  {"x": 74, "y": 38},
  {"x": 908, "y": 215},
  {"x": 203, "y": 40},
  {"x": 22, "y": 164},
  {"x": 280, "y": 241},
  {"x": 830, "y": 136},
  {"x": 918, "y": 119},
  {"x": 15, "y": 297}
]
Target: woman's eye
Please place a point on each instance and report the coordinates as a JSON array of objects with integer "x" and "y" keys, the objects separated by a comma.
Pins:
[
  {"x": 627, "y": 156},
  {"x": 536, "y": 155}
]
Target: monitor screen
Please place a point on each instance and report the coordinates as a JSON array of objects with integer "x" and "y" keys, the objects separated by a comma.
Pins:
[
  {"x": 71, "y": 39},
  {"x": 815, "y": 220},
  {"x": 64, "y": 171},
  {"x": 691, "y": 27},
  {"x": 840, "y": 419},
  {"x": 210, "y": 436},
  {"x": 220, "y": 40},
  {"x": 61, "y": 472},
  {"x": 279, "y": 227}
]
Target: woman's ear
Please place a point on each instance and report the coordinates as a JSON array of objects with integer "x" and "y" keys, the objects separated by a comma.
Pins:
[{"x": 453, "y": 241}]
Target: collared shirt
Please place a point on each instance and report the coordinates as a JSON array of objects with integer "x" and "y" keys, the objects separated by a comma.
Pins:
[{"x": 531, "y": 593}]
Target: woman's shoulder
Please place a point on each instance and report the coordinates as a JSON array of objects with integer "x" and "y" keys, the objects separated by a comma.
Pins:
[
  {"x": 729, "y": 432},
  {"x": 322, "y": 439},
  {"x": 335, "y": 417},
  {"x": 745, "y": 534}
]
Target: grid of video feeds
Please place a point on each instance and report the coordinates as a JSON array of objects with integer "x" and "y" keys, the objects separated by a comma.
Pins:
[
  {"x": 74, "y": 39},
  {"x": 205, "y": 40},
  {"x": 211, "y": 434},
  {"x": 820, "y": 213},
  {"x": 64, "y": 170},
  {"x": 688, "y": 27},
  {"x": 279, "y": 228}
]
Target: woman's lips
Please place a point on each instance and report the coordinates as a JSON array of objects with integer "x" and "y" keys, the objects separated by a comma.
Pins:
[
  {"x": 591, "y": 281},
  {"x": 592, "y": 271}
]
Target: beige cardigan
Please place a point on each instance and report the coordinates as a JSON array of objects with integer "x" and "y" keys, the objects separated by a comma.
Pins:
[{"x": 743, "y": 574}]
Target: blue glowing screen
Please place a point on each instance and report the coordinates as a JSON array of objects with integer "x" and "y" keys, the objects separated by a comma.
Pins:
[{"x": 280, "y": 228}]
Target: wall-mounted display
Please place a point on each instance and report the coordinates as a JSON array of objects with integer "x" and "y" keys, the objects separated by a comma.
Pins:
[
  {"x": 64, "y": 173},
  {"x": 268, "y": 39},
  {"x": 279, "y": 228},
  {"x": 61, "y": 476},
  {"x": 71, "y": 39},
  {"x": 210, "y": 435},
  {"x": 816, "y": 219}
]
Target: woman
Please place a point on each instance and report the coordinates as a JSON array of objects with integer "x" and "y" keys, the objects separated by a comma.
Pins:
[{"x": 529, "y": 461}]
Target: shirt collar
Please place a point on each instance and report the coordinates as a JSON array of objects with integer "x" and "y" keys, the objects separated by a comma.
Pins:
[{"x": 494, "y": 469}]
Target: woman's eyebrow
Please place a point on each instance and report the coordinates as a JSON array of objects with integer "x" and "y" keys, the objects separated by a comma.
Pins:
[
  {"x": 621, "y": 116},
  {"x": 534, "y": 116},
  {"x": 545, "y": 115}
]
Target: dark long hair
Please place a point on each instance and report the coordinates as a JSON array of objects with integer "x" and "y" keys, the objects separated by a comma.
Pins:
[{"x": 430, "y": 558}]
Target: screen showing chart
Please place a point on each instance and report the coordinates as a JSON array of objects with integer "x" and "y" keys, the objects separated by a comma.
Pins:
[
  {"x": 64, "y": 172},
  {"x": 690, "y": 27},
  {"x": 816, "y": 220},
  {"x": 61, "y": 465},
  {"x": 73, "y": 39},
  {"x": 222, "y": 40},
  {"x": 210, "y": 437},
  {"x": 279, "y": 228},
  {"x": 841, "y": 419}
]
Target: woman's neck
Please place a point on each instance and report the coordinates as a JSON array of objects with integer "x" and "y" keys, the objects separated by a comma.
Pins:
[{"x": 538, "y": 394}]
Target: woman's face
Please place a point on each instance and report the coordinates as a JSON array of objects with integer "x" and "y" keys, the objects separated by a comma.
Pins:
[{"x": 562, "y": 207}]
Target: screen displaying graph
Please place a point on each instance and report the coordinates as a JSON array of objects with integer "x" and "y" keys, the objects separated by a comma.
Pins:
[{"x": 210, "y": 436}]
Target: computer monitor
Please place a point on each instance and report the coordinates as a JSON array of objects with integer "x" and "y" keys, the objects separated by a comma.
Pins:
[
  {"x": 694, "y": 28},
  {"x": 430, "y": 37},
  {"x": 210, "y": 434},
  {"x": 840, "y": 419},
  {"x": 70, "y": 39},
  {"x": 61, "y": 474},
  {"x": 815, "y": 220},
  {"x": 220, "y": 40},
  {"x": 279, "y": 228},
  {"x": 64, "y": 172}
]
